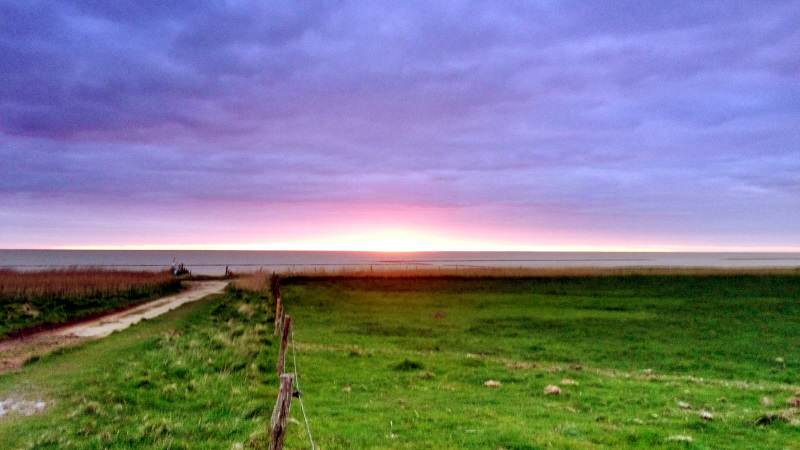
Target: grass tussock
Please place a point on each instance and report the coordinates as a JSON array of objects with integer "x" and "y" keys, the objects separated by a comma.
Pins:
[
  {"x": 253, "y": 282},
  {"x": 408, "y": 365},
  {"x": 34, "y": 299}
]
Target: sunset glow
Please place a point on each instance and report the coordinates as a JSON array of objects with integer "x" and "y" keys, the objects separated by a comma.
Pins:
[
  {"x": 404, "y": 241},
  {"x": 391, "y": 127},
  {"x": 490, "y": 225}
]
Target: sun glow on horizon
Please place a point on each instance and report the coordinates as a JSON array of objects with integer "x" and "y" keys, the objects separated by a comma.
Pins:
[
  {"x": 416, "y": 238},
  {"x": 390, "y": 241},
  {"x": 405, "y": 241}
]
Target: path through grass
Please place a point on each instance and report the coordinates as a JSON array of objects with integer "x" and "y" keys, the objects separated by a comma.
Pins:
[
  {"x": 199, "y": 377},
  {"x": 401, "y": 364}
]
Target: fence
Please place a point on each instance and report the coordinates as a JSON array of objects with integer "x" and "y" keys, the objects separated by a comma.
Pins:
[{"x": 287, "y": 381}]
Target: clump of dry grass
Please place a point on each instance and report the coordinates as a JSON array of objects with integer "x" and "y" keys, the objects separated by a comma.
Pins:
[
  {"x": 256, "y": 282},
  {"x": 78, "y": 283},
  {"x": 31, "y": 300},
  {"x": 535, "y": 272}
]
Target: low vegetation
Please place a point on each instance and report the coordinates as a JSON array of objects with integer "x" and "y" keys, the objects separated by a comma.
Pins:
[
  {"x": 253, "y": 282},
  {"x": 34, "y": 299},
  {"x": 199, "y": 377},
  {"x": 589, "y": 362},
  {"x": 637, "y": 361}
]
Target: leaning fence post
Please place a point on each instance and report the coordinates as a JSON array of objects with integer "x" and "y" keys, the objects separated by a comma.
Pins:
[
  {"x": 277, "y": 425},
  {"x": 287, "y": 327},
  {"x": 275, "y": 287},
  {"x": 278, "y": 316}
]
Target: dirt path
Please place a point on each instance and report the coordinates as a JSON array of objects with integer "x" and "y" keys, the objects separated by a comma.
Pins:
[
  {"x": 103, "y": 326},
  {"x": 14, "y": 352}
]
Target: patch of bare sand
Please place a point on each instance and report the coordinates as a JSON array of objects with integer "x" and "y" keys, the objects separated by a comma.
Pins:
[
  {"x": 14, "y": 352},
  {"x": 22, "y": 407}
]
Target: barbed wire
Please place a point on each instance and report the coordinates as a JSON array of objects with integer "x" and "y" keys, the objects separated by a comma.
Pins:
[{"x": 300, "y": 396}]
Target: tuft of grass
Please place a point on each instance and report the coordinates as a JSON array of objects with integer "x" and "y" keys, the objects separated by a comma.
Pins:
[
  {"x": 407, "y": 365},
  {"x": 31, "y": 360},
  {"x": 253, "y": 282}
]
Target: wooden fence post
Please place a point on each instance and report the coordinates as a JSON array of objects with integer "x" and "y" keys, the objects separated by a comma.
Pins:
[
  {"x": 277, "y": 425},
  {"x": 287, "y": 328},
  {"x": 275, "y": 287},
  {"x": 278, "y": 316}
]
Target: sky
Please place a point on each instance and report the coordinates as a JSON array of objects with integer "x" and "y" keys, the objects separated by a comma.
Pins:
[{"x": 451, "y": 125}]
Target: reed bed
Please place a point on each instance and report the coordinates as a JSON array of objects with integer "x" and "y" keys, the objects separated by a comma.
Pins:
[
  {"x": 255, "y": 282},
  {"x": 535, "y": 272},
  {"x": 31, "y": 300},
  {"x": 72, "y": 283}
]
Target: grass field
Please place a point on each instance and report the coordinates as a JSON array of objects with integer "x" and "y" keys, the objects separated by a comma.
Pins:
[
  {"x": 401, "y": 363},
  {"x": 41, "y": 298},
  {"x": 198, "y": 377},
  {"x": 398, "y": 363}
]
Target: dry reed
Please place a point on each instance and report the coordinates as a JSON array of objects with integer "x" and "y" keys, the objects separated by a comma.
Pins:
[
  {"x": 255, "y": 281},
  {"x": 77, "y": 283}
]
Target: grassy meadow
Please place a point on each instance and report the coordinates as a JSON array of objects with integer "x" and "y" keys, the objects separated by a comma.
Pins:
[
  {"x": 35, "y": 299},
  {"x": 401, "y": 363},
  {"x": 198, "y": 377},
  {"x": 642, "y": 361}
]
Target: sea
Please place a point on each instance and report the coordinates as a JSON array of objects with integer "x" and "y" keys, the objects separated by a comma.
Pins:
[{"x": 214, "y": 262}]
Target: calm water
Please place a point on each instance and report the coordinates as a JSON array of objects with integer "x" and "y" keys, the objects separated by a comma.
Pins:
[{"x": 214, "y": 262}]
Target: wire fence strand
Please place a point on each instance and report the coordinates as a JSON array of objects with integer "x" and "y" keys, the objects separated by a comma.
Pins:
[{"x": 300, "y": 397}]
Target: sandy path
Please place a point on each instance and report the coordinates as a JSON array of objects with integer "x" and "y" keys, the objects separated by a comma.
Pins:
[
  {"x": 14, "y": 352},
  {"x": 103, "y": 326}
]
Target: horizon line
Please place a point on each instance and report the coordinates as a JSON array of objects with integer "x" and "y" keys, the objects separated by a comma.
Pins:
[{"x": 567, "y": 249}]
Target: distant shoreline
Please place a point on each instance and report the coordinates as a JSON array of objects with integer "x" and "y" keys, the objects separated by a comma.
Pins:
[{"x": 214, "y": 262}]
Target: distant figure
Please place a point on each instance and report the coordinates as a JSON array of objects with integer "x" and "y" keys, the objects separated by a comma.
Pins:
[
  {"x": 179, "y": 268},
  {"x": 228, "y": 273}
]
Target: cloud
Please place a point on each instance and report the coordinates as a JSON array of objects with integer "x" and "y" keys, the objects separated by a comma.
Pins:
[{"x": 626, "y": 112}]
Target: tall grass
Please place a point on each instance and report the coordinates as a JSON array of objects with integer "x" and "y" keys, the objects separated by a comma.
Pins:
[
  {"x": 255, "y": 282},
  {"x": 34, "y": 299},
  {"x": 70, "y": 283}
]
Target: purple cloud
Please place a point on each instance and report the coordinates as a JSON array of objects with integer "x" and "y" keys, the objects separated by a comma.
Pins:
[{"x": 661, "y": 117}]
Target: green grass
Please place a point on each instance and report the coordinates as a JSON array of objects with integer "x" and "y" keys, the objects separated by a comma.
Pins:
[
  {"x": 401, "y": 364},
  {"x": 31, "y": 311},
  {"x": 199, "y": 377},
  {"x": 398, "y": 363}
]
